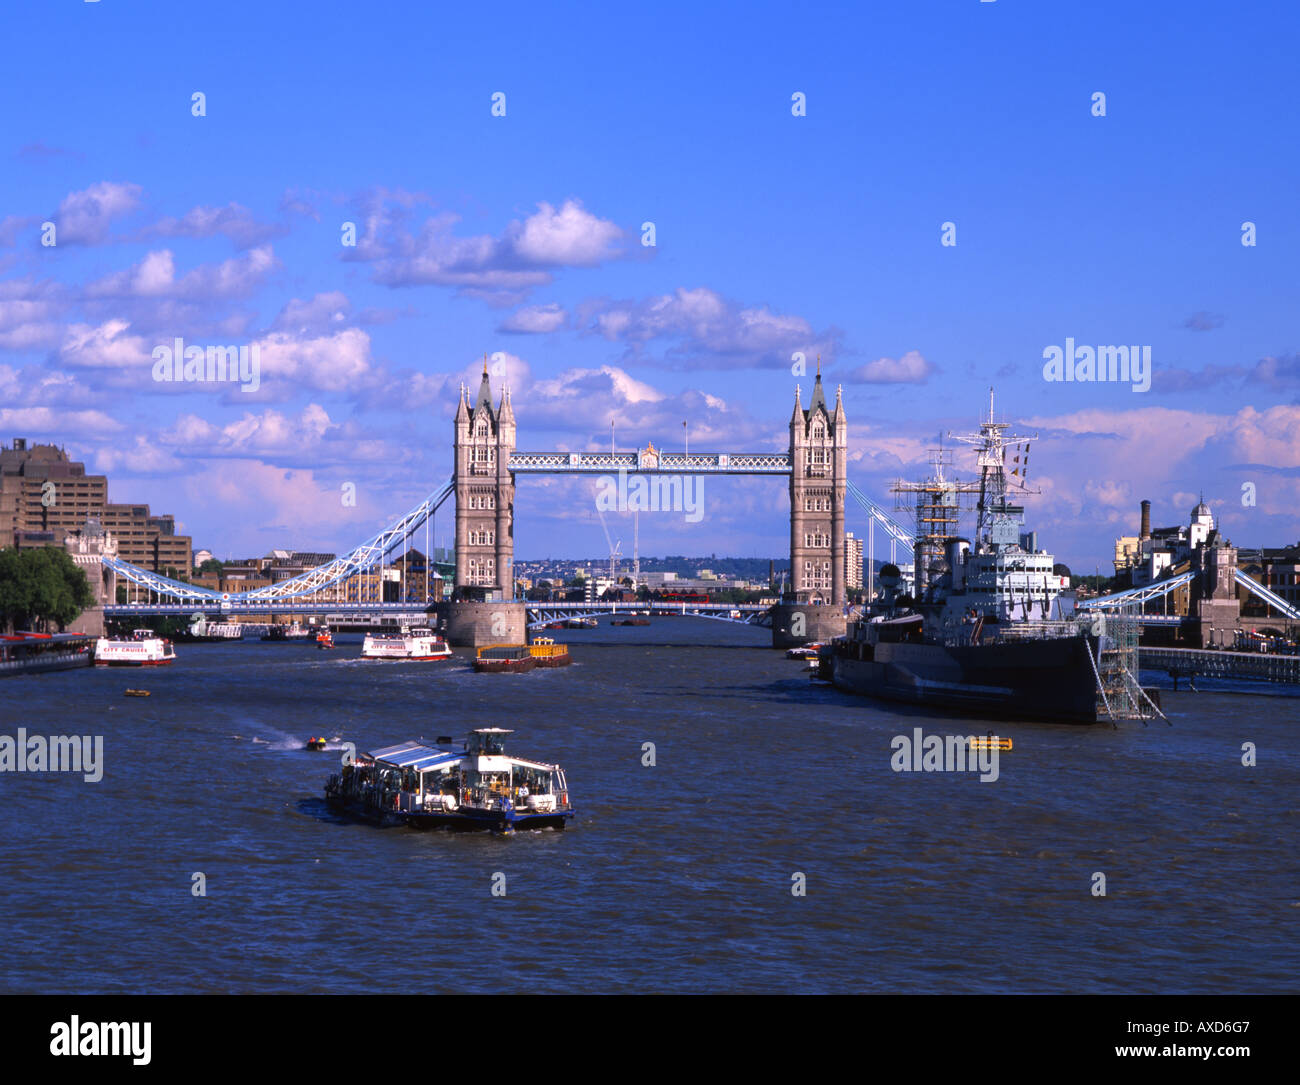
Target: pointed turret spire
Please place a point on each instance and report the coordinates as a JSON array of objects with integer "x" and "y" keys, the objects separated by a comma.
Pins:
[
  {"x": 462, "y": 408},
  {"x": 798, "y": 407},
  {"x": 839, "y": 403},
  {"x": 818, "y": 396},
  {"x": 484, "y": 401}
]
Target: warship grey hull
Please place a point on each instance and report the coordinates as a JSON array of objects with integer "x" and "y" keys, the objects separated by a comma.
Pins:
[{"x": 1049, "y": 680}]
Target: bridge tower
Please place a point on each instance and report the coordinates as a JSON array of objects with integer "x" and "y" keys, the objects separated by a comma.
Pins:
[
  {"x": 818, "y": 483},
  {"x": 812, "y": 610},
  {"x": 485, "y": 494}
]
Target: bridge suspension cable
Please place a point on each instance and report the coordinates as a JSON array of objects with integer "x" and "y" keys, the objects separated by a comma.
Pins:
[
  {"x": 359, "y": 560},
  {"x": 892, "y": 527}
]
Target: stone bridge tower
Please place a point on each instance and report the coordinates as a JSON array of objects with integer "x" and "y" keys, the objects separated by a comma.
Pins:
[
  {"x": 813, "y": 608},
  {"x": 818, "y": 481},
  {"x": 485, "y": 494}
]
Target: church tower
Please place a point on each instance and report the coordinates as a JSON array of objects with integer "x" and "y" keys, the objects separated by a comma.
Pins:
[
  {"x": 485, "y": 493},
  {"x": 818, "y": 482}
]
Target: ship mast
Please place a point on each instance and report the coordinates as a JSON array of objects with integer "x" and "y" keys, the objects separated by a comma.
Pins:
[
  {"x": 938, "y": 506},
  {"x": 999, "y": 521}
]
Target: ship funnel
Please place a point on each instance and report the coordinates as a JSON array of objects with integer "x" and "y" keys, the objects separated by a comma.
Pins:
[{"x": 956, "y": 551}]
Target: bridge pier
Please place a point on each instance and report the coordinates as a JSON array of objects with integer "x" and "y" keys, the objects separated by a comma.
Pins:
[
  {"x": 472, "y": 624},
  {"x": 797, "y": 624}
]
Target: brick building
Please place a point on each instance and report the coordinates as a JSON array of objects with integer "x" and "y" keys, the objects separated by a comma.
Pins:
[{"x": 46, "y": 496}]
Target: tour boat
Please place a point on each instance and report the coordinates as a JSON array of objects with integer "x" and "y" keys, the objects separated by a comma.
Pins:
[
  {"x": 411, "y": 644},
  {"x": 426, "y": 787},
  {"x": 30, "y": 653},
  {"x": 144, "y": 649}
]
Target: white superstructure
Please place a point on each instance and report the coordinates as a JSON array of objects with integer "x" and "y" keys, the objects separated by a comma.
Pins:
[
  {"x": 413, "y": 644},
  {"x": 144, "y": 649}
]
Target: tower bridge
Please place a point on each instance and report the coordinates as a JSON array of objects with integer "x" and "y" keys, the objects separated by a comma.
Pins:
[{"x": 486, "y": 466}]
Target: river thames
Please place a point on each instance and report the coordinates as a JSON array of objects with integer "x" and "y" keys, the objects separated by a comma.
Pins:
[{"x": 674, "y": 877}]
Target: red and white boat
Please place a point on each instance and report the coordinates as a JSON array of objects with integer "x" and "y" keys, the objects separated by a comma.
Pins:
[
  {"x": 144, "y": 649},
  {"x": 410, "y": 644}
]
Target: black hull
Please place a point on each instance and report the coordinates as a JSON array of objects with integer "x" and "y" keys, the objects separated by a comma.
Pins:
[
  {"x": 1049, "y": 681},
  {"x": 463, "y": 820}
]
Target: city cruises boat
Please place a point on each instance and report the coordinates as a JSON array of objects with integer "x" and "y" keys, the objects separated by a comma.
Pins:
[
  {"x": 427, "y": 787},
  {"x": 548, "y": 653},
  {"x": 504, "y": 659},
  {"x": 581, "y": 623},
  {"x": 144, "y": 649},
  {"x": 31, "y": 653},
  {"x": 804, "y": 651},
  {"x": 416, "y": 644}
]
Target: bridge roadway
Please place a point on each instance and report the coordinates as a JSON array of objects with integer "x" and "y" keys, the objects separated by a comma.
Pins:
[
  {"x": 1189, "y": 662},
  {"x": 539, "y": 613}
]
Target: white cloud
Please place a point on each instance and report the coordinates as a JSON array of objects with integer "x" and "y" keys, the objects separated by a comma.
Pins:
[
  {"x": 106, "y": 346},
  {"x": 535, "y": 320},
  {"x": 84, "y": 217},
  {"x": 911, "y": 368},
  {"x": 706, "y": 329},
  {"x": 234, "y": 221},
  {"x": 155, "y": 277},
  {"x": 501, "y": 269},
  {"x": 338, "y": 362}
]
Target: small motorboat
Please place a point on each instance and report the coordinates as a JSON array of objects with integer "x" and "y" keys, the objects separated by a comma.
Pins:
[
  {"x": 806, "y": 651},
  {"x": 324, "y": 639},
  {"x": 137, "y": 693},
  {"x": 315, "y": 744}
]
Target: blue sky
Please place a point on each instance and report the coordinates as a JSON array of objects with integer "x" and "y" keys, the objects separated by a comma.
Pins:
[{"x": 775, "y": 233}]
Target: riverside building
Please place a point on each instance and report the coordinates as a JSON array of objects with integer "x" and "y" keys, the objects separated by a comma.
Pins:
[{"x": 46, "y": 496}]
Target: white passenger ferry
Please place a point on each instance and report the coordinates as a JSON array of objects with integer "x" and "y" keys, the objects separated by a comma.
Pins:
[
  {"x": 427, "y": 787},
  {"x": 144, "y": 649},
  {"x": 420, "y": 644}
]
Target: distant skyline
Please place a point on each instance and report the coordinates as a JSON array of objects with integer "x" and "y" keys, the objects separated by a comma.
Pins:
[{"x": 522, "y": 237}]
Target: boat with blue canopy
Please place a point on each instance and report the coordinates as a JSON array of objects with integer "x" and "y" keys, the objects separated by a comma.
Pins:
[{"x": 428, "y": 787}]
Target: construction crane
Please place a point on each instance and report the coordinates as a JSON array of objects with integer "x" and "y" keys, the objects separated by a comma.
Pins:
[
  {"x": 636, "y": 549},
  {"x": 615, "y": 549}
]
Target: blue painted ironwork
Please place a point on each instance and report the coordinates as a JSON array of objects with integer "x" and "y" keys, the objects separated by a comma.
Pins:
[
  {"x": 650, "y": 461},
  {"x": 892, "y": 527},
  {"x": 1137, "y": 595},
  {"x": 364, "y": 558}
]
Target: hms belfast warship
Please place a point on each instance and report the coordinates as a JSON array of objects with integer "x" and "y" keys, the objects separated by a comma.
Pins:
[{"x": 986, "y": 632}]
